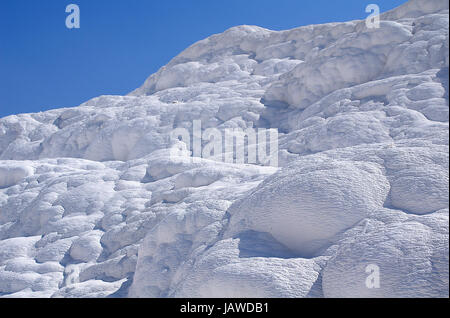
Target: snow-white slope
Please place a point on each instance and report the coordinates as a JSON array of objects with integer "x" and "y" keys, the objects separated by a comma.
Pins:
[{"x": 94, "y": 204}]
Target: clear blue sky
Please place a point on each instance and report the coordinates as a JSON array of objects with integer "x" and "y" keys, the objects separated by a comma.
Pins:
[{"x": 44, "y": 65}]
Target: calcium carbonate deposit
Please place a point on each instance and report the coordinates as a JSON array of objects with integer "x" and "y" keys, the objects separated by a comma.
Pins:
[{"x": 94, "y": 202}]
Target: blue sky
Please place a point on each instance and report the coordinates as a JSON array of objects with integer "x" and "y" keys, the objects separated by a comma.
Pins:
[{"x": 44, "y": 65}]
